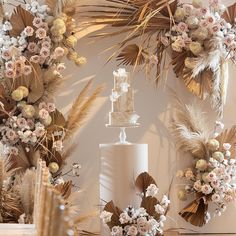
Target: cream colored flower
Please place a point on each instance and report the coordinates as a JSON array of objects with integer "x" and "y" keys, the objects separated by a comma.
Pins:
[
  {"x": 196, "y": 48},
  {"x": 219, "y": 156},
  {"x": 24, "y": 90},
  {"x": 179, "y": 14},
  {"x": 213, "y": 145},
  {"x": 17, "y": 95},
  {"x": 28, "y": 111},
  {"x": 201, "y": 33},
  {"x": 201, "y": 165}
]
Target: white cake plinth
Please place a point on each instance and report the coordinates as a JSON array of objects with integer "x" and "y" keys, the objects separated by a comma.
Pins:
[{"x": 120, "y": 165}]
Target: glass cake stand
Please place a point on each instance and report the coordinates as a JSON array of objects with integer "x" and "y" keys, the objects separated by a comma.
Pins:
[{"x": 123, "y": 136}]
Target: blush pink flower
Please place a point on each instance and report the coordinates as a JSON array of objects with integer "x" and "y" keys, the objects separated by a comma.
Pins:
[
  {"x": 35, "y": 59},
  {"x": 46, "y": 45},
  {"x": 43, "y": 114},
  {"x": 37, "y": 22},
  {"x": 21, "y": 122},
  {"x": 11, "y": 135},
  {"x": 32, "y": 47},
  {"x": 6, "y": 54},
  {"x": 229, "y": 39},
  {"x": 215, "y": 28},
  {"x": 51, "y": 107},
  {"x": 29, "y": 31},
  {"x": 10, "y": 65},
  {"x": 210, "y": 19},
  {"x": 41, "y": 33},
  {"x": 39, "y": 131},
  {"x": 59, "y": 52},
  {"x": 45, "y": 52},
  {"x": 61, "y": 67},
  {"x": 9, "y": 73},
  {"x": 27, "y": 70},
  {"x": 44, "y": 25},
  {"x": 43, "y": 105},
  {"x": 182, "y": 27},
  {"x": 13, "y": 151}
]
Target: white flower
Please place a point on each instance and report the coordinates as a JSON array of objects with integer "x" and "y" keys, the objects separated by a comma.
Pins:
[
  {"x": 106, "y": 216},
  {"x": 134, "y": 118},
  {"x": 121, "y": 72},
  {"x": 7, "y": 26},
  {"x": 159, "y": 209},
  {"x": 215, "y": 197},
  {"x": 206, "y": 189},
  {"x": 226, "y": 146},
  {"x": 163, "y": 218},
  {"x": 197, "y": 186},
  {"x": 114, "y": 96},
  {"x": 152, "y": 190},
  {"x": 58, "y": 145},
  {"x": 117, "y": 231},
  {"x": 125, "y": 218},
  {"x": 165, "y": 201},
  {"x": 132, "y": 231},
  {"x": 124, "y": 87},
  {"x": 207, "y": 217}
]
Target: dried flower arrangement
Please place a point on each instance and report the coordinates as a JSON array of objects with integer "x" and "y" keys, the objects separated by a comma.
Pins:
[
  {"x": 199, "y": 36},
  {"x": 211, "y": 177},
  {"x": 33, "y": 40},
  {"x": 147, "y": 220}
]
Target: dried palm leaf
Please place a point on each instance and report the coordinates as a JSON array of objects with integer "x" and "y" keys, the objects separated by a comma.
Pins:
[
  {"x": 64, "y": 189},
  {"x": 143, "y": 181},
  {"x": 195, "y": 212},
  {"x": 79, "y": 113},
  {"x": 52, "y": 4},
  {"x": 1, "y": 11},
  {"x": 132, "y": 55},
  {"x": 19, "y": 20},
  {"x": 228, "y": 136},
  {"x": 190, "y": 130},
  {"x": 27, "y": 189},
  {"x": 230, "y": 14},
  {"x": 149, "y": 204},
  {"x": 110, "y": 207},
  {"x": 34, "y": 82}
]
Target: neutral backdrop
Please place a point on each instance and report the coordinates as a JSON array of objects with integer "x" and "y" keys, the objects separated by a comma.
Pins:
[{"x": 153, "y": 104}]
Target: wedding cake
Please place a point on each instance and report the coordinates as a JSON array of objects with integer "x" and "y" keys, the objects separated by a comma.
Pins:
[{"x": 122, "y": 99}]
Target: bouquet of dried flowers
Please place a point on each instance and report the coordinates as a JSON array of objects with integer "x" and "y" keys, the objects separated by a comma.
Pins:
[
  {"x": 34, "y": 40},
  {"x": 199, "y": 36},
  {"x": 147, "y": 220},
  {"x": 211, "y": 177}
]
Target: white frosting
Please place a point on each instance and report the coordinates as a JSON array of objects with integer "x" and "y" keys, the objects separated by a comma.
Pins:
[{"x": 122, "y": 98}]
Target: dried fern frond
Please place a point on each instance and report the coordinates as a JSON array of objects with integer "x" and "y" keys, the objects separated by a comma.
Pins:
[
  {"x": 80, "y": 110},
  {"x": 189, "y": 130}
]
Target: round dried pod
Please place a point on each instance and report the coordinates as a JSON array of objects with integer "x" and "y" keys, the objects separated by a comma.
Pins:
[
  {"x": 182, "y": 195},
  {"x": 47, "y": 121},
  {"x": 17, "y": 95},
  {"x": 28, "y": 111},
  {"x": 213, "y": 145},
  {"x": 63, "y": 16},
  {"x": 71, "y": 41},
  {"x": 24, "y": 90},
  {"x": 72, "y": 55},
  {"x": 80, "y": 61},
  {"x": 219, "y": 156},
  {"x": 53, "y": 167},
  {"x": 201, "y": 165}
]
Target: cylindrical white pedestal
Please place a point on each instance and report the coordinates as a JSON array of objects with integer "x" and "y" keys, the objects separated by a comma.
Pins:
[{"x": 120, "y": 166}]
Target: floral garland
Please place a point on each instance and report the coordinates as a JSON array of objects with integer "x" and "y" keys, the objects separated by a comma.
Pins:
[
  {"x": 147, "y": 220},
  {"x": 200, "y": 36},
  {"x": 34, "y": 40},
  {"x": 211, "y": 178}
]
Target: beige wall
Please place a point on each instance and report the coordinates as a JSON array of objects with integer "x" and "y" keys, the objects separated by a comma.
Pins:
[{"x": 153, "y": 106}]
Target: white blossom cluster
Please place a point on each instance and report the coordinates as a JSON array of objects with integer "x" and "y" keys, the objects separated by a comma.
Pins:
[
  {"x": 39, "y": 10},
  {"x": 197, "y": 26},
  {"x": 137, "y": 222}
]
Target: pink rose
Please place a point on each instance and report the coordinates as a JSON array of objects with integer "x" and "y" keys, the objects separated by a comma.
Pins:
[
  {"x": 6, "y": 54},
  {"x": 46, "y": 45},
  {"x": 37, "y": 22},
  {"x": 43, "y": 114},
  {"x": 45, "y": 52},
  {"x": 29, "y": 31},
  {"x": 11, "y": 135},
  {"x": 51, "y": 107},
  {"x": 32, "y": 47},
  {"x": 35, "y": 59},
  {"x": 182, "y": 27},
  {"x": 21, "y": 122},
  {"x": 41, "y": 33},
  {"x": 210, "y": 19},
  {"x": 58, "y": 52},
  {"x": 10, "y": 65},
  {"x": 43, "y": 105},
  {"x": 27, "y": 70},
  {"x": 229, "y": 40},
  {"x": 9, "y": 73}
]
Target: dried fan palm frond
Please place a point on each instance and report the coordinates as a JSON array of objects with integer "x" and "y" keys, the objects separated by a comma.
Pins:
[
  {"x": 80, "y": 110},
  {"x": 20, "y": 19},
  {"x": 149, "y": 204},
  {"x": 190, "y": 130},
  {"x": 110, "y": 207},
  {"x": 26, "y": 191},
  {"x": 132, "y": 55},
  {"x": 141, "y": 21},
  {"x": 230, "y": 14},
  {"x": 195, "y": 212},
  {"x": 228, "y": 136},
  {"x": 143, "y": 181}
]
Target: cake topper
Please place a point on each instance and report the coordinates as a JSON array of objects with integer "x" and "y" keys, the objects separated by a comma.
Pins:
[{"x": 122, "y": 113}]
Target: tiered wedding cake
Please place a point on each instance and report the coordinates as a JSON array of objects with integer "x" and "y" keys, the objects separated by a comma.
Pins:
[
  {"x": 121, "y": 162},
  {"x": 122, "y": 98}
]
